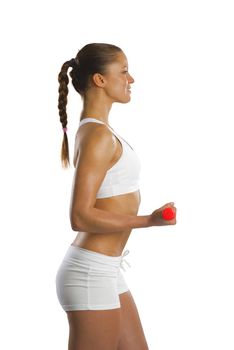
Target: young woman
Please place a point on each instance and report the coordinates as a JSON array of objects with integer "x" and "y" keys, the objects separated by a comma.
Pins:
[{"x": 105, "y": 200}]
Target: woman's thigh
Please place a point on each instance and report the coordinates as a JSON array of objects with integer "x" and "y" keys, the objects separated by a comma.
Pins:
[
  {"x": 132, "y": 336},
  {"x": 94, "y": 329}
]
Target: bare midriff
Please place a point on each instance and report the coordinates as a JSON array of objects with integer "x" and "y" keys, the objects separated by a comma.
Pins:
[{"x": 111, "y": 243}]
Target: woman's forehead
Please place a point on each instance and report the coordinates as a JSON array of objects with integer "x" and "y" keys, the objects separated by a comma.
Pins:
[{"x": 121, "y": 60}]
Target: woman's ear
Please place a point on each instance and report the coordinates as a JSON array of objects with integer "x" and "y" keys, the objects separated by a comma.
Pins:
[{"x": 99, "y": 80}]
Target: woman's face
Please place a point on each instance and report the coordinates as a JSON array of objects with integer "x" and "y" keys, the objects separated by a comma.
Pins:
[{"x": 118, "y": 80}]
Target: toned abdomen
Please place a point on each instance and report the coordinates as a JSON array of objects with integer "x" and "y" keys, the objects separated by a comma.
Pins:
[{"x": 111, "y": 243}]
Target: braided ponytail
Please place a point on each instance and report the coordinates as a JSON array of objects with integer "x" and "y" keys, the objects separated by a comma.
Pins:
[
  {"x": 62, "y": 103},
  {"x": 92, "y": 58}
]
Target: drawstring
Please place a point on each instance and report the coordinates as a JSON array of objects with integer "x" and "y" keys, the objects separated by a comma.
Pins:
[{"x": 124, "y": 260}]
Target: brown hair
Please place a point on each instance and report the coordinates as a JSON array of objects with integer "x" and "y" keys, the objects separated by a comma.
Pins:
[{"x": 91, "y": 59}]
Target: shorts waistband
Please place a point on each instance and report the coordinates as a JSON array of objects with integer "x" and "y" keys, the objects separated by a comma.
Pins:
[{"x": 118, "y": 261}]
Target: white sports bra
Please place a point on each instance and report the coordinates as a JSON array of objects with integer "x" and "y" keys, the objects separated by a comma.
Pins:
[{"x": 123, "y": 176}]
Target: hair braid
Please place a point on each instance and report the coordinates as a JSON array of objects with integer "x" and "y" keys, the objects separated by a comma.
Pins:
[
  {"x": 92, "y": 58},
  {"x": 62, "y": 103}
]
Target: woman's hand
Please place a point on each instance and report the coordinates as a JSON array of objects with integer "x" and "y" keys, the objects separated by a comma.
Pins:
[{"x": 156, "y": 218}]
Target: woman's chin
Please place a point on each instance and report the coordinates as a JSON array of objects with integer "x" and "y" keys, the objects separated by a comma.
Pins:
[{"x": 125, "y": 99}]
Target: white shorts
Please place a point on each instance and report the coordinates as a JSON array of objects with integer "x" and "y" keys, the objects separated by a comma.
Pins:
[{"x": 87, "y": 280}]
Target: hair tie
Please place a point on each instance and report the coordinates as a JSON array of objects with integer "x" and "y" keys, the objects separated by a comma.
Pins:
[
  {"x": 74, "y": 64},
  {"x": 64, "y": 130}
]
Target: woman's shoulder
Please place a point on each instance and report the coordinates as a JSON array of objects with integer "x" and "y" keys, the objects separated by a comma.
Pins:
[
  {"x": 94, "y": 133},
  {"x": 92, "y": 137}
]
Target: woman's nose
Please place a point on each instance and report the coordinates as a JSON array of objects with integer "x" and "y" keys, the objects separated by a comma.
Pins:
[{"x": 130, "y": 79}]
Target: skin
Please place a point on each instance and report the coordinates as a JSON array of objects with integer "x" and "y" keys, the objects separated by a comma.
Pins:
[
  {"x": 113, "y": 87},
  {"x": 104, "y": 225}
]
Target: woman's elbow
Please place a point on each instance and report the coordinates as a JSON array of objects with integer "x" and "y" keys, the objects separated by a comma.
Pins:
[
  {"x": 75, "y": 227},
  {"x": 78, "y": 223}
]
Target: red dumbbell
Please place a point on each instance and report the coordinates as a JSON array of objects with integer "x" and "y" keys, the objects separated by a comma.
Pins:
[{"x": 168, "y": 214}]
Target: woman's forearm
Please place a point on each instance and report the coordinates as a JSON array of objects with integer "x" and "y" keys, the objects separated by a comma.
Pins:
[{"x": 102, "y": 221}]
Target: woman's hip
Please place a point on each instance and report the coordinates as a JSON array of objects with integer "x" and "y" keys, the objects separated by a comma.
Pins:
[{"x": 88, "y": 280}]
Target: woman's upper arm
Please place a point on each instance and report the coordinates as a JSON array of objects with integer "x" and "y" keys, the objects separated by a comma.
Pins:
[{"x": 96, "y": 150}]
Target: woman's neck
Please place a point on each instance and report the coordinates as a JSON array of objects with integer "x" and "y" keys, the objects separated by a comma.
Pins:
[{"x": 97, "y": 108}]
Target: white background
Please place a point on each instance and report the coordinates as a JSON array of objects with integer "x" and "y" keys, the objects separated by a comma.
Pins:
[{"x": 179, "y": 122}]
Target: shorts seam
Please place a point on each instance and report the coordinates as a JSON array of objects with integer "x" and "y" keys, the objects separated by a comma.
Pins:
[
  {"x": 91, "y": 307},
  {"x": 88, "y": 284}
]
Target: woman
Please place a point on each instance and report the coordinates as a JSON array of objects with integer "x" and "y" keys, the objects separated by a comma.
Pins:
[{"x": 105, "y": 200}]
